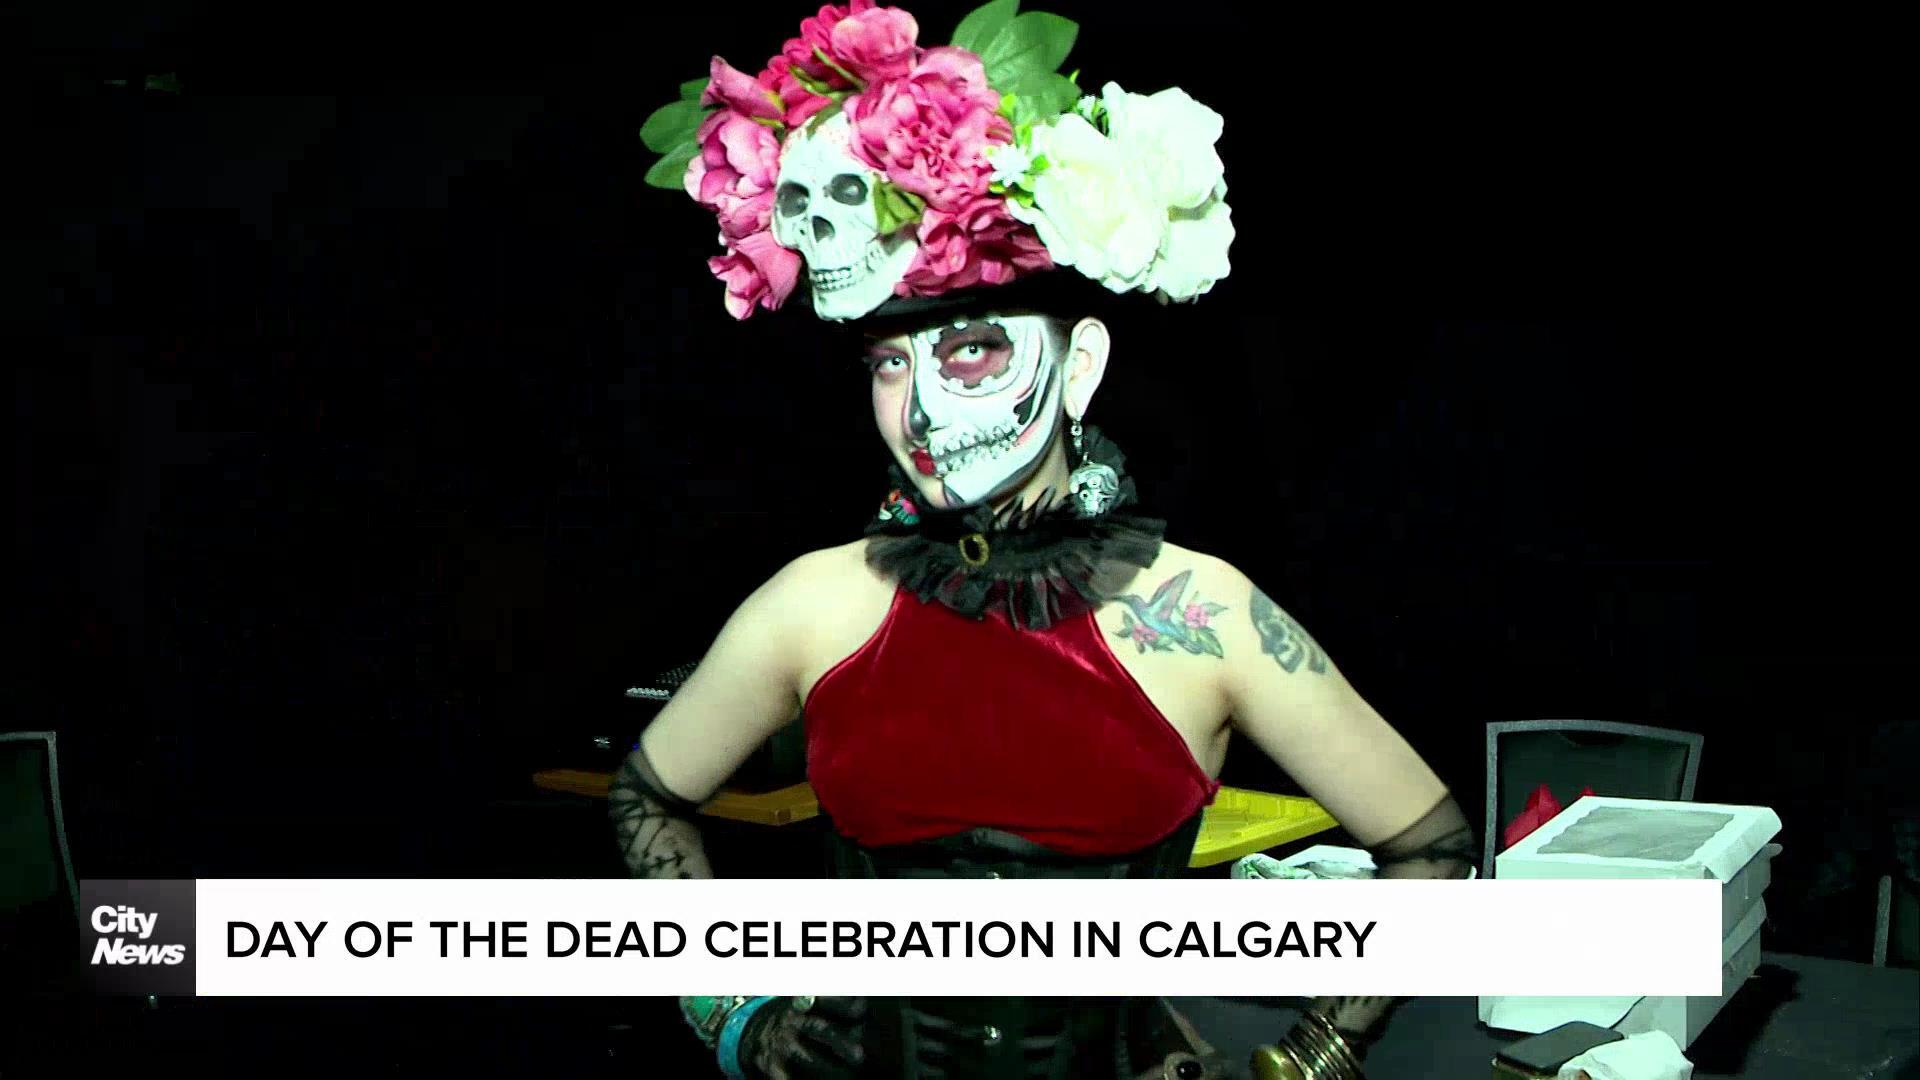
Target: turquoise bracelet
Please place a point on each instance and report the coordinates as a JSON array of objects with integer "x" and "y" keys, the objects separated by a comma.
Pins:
[
  {"x": 730, "y": 1034},
  {"x": 708, "y": 1015}
]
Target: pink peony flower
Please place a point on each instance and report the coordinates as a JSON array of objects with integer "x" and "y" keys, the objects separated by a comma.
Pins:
[
  {"x": 1145, "y": 635},
  {"x": 735, "y": 171},
  {"x": 981, "y": 243},
  {"x": 742, "y": 150},
  {"x": 774, "y": 94},
  {"x": 1196, "y": 616},
  {"x": 957, "y": 80},
  {"x": 756, "y": 271},
  {"x": 800, "y": 102},
  {"x": 875, "y": 44},
  {"x": 734, "y": 176},
  {"x": 929, "y": 131},
  {"x": 741, "y": 217},
  {"x": 729, "y": 86},
  {"x": 817, "y": 33}
]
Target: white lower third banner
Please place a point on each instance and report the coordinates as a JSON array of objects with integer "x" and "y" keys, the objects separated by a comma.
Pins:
[{"x": 444, "y": 938}]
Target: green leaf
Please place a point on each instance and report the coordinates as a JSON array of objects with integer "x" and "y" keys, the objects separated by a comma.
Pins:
[
  {"x": 817, "y": 86},
  {"x": 671, "y": 125},
  {"x": 895, "y": 209},
  {"x": 1213, "y": 609},
  {"x": 692, "y": 89},
  {"x": 1041, "y": 96},
  {"x": 1034, "y": 43},
  {"x": 671, "y": 171},
  {"x": 1210, "y": 642},
  {"x": 983, "y": 24},
  {"x": 820, "y": 54},
  {"x": 1095, "y": 111},
  {"x": 824, "y": 115}
]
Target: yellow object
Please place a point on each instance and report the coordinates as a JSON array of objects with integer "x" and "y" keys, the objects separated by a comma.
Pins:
[
  {"x": 1241, "y": 822},
  {"x": 782, "y": 807},
  {"x": 1271, "y": 1063},
  {"x": 975, "y": 549}
]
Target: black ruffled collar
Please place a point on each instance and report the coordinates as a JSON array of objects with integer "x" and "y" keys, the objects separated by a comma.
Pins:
[{"x": 1036, "y": 566}]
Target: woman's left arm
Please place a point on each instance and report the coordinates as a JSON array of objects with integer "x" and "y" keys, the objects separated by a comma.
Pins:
[{"x": 1287, "y": 695}]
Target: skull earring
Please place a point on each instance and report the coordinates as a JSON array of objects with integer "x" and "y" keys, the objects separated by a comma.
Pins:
[{"x": 1093, "y": 486}]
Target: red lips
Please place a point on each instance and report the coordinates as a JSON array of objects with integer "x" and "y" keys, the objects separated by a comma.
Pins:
[{"x": 923, "y": 461}]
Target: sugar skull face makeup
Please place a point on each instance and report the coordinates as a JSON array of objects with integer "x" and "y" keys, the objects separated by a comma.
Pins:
[{"x": 968, "y": 407}]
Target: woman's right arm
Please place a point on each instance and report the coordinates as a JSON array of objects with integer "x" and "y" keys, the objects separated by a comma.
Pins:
[{"x": 744, "y": 690}]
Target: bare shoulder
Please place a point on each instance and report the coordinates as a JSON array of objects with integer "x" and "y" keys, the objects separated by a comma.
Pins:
[
  {"x": 1213, "y": 569},
  {"x": 832, "y": 602},
  {"x": 822, "y": 566},
  {"x": 1191, "y": 571},
  {"x": 824, "y": 604},
  {"x": 821, "y": 575}
]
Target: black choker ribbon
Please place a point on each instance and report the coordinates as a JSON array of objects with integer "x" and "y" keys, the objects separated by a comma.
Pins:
[{"x": 1039, "y": 564}]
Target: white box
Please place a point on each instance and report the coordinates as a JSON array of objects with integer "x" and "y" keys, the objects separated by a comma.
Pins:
[
  {"x": 1603, "y": 837},
  {"x": 1683, "y": 1018}
]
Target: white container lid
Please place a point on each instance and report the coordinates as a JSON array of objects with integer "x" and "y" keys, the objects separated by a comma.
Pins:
[{"x": 1603, "y": 836}]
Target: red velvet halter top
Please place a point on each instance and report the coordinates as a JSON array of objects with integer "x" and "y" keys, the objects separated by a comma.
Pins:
[{"x": 941, "y": 723}]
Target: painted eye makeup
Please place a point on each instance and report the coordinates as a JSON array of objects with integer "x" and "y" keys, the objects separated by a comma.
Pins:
[{"x": 974, "y": 353}]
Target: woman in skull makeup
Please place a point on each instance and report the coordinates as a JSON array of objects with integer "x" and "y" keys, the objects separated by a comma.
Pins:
[{"x": 1012, "y": 673}]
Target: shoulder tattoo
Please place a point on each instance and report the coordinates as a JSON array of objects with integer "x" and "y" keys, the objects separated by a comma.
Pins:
[
  {"x": 1170, "y": 619},
  {"x": 1284, "y": 639}
]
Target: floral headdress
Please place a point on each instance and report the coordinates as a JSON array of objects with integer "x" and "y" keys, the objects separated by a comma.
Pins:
[{"x": 886, "y": 170}]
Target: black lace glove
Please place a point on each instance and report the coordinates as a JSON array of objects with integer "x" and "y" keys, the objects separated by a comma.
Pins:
[
  {"x": 805, "y": 1039},
  {"x": 1333, "y": 1039}
]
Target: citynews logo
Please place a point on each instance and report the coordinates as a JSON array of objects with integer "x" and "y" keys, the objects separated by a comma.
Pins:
[
  {"x": 137, "y": 937},
  {"x": 123, "y": 920}
]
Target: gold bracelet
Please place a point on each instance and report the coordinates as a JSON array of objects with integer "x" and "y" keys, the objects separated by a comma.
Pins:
[
  {"x": 1273, "y": 1063},
  {"x": 1338, "y": 1051},
  {"x": 1313, "y": 1050}
]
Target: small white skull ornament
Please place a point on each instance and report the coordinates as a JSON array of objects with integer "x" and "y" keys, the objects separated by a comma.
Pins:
[
  {"x": 1094, "y": 488},
  {"x": 824, "y": 209}
]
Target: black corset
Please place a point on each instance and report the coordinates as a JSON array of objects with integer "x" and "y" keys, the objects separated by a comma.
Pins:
[
  {"x": 992, "y": 853},
  {"x": 1014, "y": 1038}
]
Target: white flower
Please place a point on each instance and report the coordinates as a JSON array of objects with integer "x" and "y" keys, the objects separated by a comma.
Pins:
[
  {"x": 1140, "y": 207},
  {"x": 1093, "y": 207},
  {"x": 1171, "y": 136},
  {"x": 1011, "y": 164},
  {"x": 1194, "y": 253}
]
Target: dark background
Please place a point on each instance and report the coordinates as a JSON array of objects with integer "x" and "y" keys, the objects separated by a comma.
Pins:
[{"x": 388, "y": 426}]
